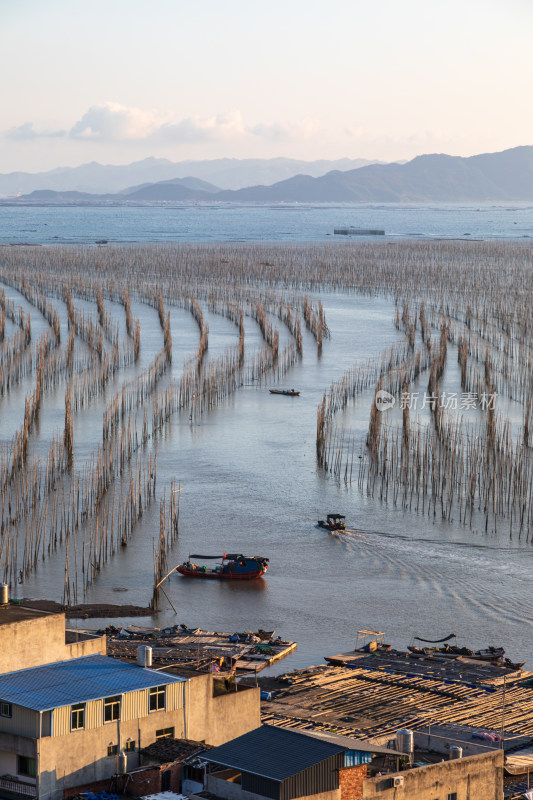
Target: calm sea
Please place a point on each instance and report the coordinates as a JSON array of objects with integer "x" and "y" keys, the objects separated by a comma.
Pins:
[
  {"x": 248, "y": 468},
  {"x": 278, "y": 223}
]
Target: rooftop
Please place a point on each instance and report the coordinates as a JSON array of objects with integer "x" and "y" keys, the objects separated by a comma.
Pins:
[
  {"x": 18, "y": 613},
  {"x": 76, "y": 681},
  {"x": 349, "y": 743},
  {"x": 167, "y": 750},
  {"x": 380, "y": 694},
  {"x": 271, "y": 752}
]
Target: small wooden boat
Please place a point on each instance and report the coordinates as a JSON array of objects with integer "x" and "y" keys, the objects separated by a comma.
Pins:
[
  {"x": 490, "y": 654},
  {"x": 333, "y": 522},
  {"x": 286, "y": 392},
  {"x": 265, "y": 635},
  {"x": 371, "y": 642},
  {"x": 232, "y": 567},
  {"x": 513, "y": 665}
]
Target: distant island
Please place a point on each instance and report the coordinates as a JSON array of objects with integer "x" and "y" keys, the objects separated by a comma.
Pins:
[{"x": 503, "y": 176}]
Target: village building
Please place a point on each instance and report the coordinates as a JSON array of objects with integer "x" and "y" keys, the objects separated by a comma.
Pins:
[
  {"x": 70, "y": 716},
  {"x": 281, "y": 764}
]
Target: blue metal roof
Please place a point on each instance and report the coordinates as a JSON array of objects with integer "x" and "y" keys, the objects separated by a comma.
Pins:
[{"x": 77, "y": 681}]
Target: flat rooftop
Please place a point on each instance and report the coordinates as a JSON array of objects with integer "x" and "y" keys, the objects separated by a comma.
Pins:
[
  {"x": 77, "y": 681},
  {"x": 15, "y": 613}
]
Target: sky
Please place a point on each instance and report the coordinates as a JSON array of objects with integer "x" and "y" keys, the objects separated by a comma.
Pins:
[{"x": 117, "y": 81}]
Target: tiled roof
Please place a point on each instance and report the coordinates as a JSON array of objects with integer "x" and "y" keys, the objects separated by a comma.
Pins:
[
  {"x": 168, "y": 749},
  {"x": 76, "y": 681}
]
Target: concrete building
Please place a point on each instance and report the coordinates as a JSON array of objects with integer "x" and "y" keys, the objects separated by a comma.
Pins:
[
  {"x": 68, "y": 712},
  {"x": 281, "y": 764},
  {"x": 468, "y": 778},
  {"x": 29, "y": 638}
]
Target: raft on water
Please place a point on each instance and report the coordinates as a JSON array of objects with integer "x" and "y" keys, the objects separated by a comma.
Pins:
[
  {"x": 182, "y": 647},
  {"x": 358, "y": 232}
]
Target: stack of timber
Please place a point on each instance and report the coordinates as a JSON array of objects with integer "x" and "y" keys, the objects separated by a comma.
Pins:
[{"x": 377, "y": 696}]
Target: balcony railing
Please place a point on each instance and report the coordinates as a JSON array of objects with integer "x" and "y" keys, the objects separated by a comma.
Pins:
[{"x": 14, "y": 786}]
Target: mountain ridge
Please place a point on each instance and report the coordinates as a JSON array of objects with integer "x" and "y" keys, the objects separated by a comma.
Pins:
[
  {"x": 227, "y": 173},
  {"x": 503, "y": 176}
]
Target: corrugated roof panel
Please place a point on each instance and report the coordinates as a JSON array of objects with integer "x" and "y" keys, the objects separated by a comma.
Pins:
[
  {"x": 77, "y": 681},
  {"x": 272, "y": 752},
  {"x": 350, "y": 743}
]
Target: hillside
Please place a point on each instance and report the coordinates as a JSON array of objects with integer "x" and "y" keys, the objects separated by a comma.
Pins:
[
  {"x": 429, "y": 178},
  {"x": 226, "y": 173},
  {"x": 504, "y": 176}
]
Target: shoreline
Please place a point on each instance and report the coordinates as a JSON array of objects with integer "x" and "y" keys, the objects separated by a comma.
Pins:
[{"x": 88, "y": 610}]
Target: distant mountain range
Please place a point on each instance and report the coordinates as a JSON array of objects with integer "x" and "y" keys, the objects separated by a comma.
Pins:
[
  {"x": 224, "y": 173},
  {"x": 504, "y": 176}
]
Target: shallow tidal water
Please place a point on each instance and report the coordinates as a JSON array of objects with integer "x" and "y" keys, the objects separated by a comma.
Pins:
[{"x": 250, "y": 483}]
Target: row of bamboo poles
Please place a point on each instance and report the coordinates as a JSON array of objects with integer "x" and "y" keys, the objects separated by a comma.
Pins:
[
  {"x": 468, "y": 301},
  {"x": 87, "y": 522}
]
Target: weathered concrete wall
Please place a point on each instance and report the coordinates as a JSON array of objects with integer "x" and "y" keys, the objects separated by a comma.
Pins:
[
  {"x": 34, "y": 638},
  {"x": 351, "y": 782},
  {"x": 17, "y": 744},
  {"x": 471, "y": 778},
  {"x": 86, "y": 646},
  {"x": 38, "y": 639},
  {"x": 8, "y": 763},
  {"x": 216, "y": 720},
  {"x": 80, "y": 758}
]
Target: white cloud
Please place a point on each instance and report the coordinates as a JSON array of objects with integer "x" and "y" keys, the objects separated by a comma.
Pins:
[
  {"x": 113, "y": 121},
  {"x": 222, "y": 127},
  {"x": 26, "y": 132},
  {"x": 276, "y": 132}
]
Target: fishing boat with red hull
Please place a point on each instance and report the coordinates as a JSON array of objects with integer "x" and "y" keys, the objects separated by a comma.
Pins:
[{"x": 232, "y": 567}]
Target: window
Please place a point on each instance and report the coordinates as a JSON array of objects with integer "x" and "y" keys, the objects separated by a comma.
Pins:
[
  {"x": 6, "y": 710},
  {"x": 112, "y": 708},
  {"x": 157, "y": 698},
  {"x": 129, "y": 747},
  {"x": 164, "y": 733},
  {"x": 452, "y": 796},
  {"x": 112, "y": 749},
  {"x": 192, "y": 773},
  {"x": 77, "y": 717},
  {"x": 26, "y": 766}
]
